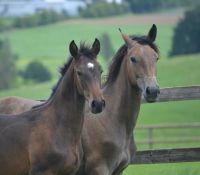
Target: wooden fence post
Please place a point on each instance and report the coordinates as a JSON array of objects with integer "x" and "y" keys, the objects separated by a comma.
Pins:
[{"x": 150, "y": 138}]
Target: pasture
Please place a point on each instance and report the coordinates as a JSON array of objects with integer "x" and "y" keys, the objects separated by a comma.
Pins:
[{"x": 49, "y": 45}]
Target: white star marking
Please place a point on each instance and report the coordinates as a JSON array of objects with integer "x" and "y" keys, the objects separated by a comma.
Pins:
[{"x": 90, "y": 65}]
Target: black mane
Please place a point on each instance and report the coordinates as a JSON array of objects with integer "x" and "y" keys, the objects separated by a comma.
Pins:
[{"x": 118, "y": 58}]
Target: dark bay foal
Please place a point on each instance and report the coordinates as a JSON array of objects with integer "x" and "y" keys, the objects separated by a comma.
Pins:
[
  {"x": 46, "y": 140},
  {"x": 108, "y": 142}
]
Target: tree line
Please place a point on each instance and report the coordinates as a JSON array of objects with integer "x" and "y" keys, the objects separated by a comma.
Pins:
[
  {"x": 95, "y": 9},
  {"x": 101, "y": 8},
  {"x": 144, "y": 6},
  {"x": 42, "y": 17}
]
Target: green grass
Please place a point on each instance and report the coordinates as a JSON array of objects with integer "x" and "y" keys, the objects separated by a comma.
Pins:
[
  {"x": 49, "y": 44},
  {"x": 37, "y": 92},
  {"x": 164, "y": 169},
  {"x": 52, "y": 41}
]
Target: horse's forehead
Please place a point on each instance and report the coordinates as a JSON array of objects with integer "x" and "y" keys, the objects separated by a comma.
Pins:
[
  {"x": 144, "y": 51},
  {"x": 88, "y": 64}
]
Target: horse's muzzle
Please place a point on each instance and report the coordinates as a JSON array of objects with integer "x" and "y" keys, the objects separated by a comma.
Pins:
[
  {"x": 151, "y": 93},
  {"x": 97, "y": 106}
]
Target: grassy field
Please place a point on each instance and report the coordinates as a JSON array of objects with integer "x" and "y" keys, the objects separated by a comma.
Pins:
[
  {"x": 164, "y": 169},
  {"x": 49, "y": 44}
]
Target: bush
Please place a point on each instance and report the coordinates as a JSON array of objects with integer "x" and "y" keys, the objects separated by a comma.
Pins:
[
  {"x": 37, "y": 72},
  {"x": 2, "y": 26},
  {"x": 6, "y": 23},
  {"x": 142, "y": 6},
  {"x": 186, "y": 35},
  {"x": 7, "y": 66},
  {"x": 107, "y": 50},
  {"x": 103, "y": 9}
]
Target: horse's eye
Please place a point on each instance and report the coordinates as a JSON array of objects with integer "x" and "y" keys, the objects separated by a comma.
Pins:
[{"x": 133, "y": 59}]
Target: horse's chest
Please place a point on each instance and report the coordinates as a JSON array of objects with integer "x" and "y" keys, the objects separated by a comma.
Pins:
[
  {"x": 121, "y": 161},
  {"x": 116, "y": 156},
  {"x": 65, "y": 160},
  {"x": 125, "y": 157},
  {"x": 72, "y": 160},
  {"x": 72, "y": 163}
]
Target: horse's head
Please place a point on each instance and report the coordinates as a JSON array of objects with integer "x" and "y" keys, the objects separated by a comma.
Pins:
[
  {"x": 142, "y": 56},
  {"x": 87, "y": 74}
]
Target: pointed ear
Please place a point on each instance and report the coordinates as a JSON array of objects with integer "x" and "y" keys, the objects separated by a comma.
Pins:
[
  {"x": 128, "y": 41},
  {"x": 73, "y": 49},
  {"x": 96, "y": 46},
  {"x": 152, "y": 33}
]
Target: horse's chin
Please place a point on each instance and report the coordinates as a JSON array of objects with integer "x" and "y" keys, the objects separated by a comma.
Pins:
[
  {"x": 96, "y": 112},
  {"x": 149, "y": 99}
]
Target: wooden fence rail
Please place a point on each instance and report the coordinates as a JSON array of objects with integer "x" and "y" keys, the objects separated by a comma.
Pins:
[
  {"x": 178, "y": 94},
  {"x": 167, "y": 156},
  {"x": 171, "y": 155},
  {"x": 151, "y": 141}
]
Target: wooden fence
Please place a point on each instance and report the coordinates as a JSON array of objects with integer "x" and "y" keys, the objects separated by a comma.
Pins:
[
  {"x": 171, "y": 155},
  {"x": 167, "y": 156},
  {"x": 179, "y": 94},
  {"x": 151, "y": 141}
]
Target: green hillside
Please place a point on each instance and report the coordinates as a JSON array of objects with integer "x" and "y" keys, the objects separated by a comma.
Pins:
[{"x": 49, "y": 44}]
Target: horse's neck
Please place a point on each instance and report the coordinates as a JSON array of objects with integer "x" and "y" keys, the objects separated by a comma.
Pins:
[
  {"x": 124, "y": 111},
  {"x": 67, "y": 105}
]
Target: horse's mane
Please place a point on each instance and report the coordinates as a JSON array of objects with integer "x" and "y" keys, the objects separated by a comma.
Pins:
[
  {"x": 118, "y": 57},
  {"x": 62, "y": 72},
  {"x": 84, "y": 50}
]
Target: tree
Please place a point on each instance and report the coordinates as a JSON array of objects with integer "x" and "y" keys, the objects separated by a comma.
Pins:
[
  {"x": 37, "y": 72},
  {"x": 143, "y": 6},
  {"x": 186, "y": 35},
  {"x": 107, "y": 50},
  {"x": 7, "y": 65},
  {"x": 2, "y": 26},
  {"x": 103, "y": 9}
]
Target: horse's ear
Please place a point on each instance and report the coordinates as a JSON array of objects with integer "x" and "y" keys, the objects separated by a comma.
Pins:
[
  {"x": 152, "y": 33},
  {"x": 96, "y": 46},
  {"x": 73, "y": 49},
  {"x": 128, "y": 41}
]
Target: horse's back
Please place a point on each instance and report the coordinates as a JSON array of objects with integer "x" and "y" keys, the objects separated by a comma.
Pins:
[{"x": 16, "y": 105}]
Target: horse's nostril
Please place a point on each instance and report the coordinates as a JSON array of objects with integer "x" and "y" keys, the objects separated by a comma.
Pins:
[
  {"x": 97, "y": 106},
  {"x": 152, "y": 91},
  {"x": 103, "y": 103},
  {"x": 148, "y": 91},
  {"x": 93, "y": 104}
]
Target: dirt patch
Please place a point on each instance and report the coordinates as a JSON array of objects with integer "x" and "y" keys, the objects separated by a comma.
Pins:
[{"x": 158, "y": 18}]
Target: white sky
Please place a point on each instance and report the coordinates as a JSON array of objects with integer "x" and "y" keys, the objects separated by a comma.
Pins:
[
  {"x": 54, "y": 0},
  {"x": 118, "y": 1}
]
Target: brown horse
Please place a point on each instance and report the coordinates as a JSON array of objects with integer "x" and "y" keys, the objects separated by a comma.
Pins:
[
  {"x": 131, "y": 73},
  {"x": 107, "y": 140},
  {"x": 46, "y": 140}
]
